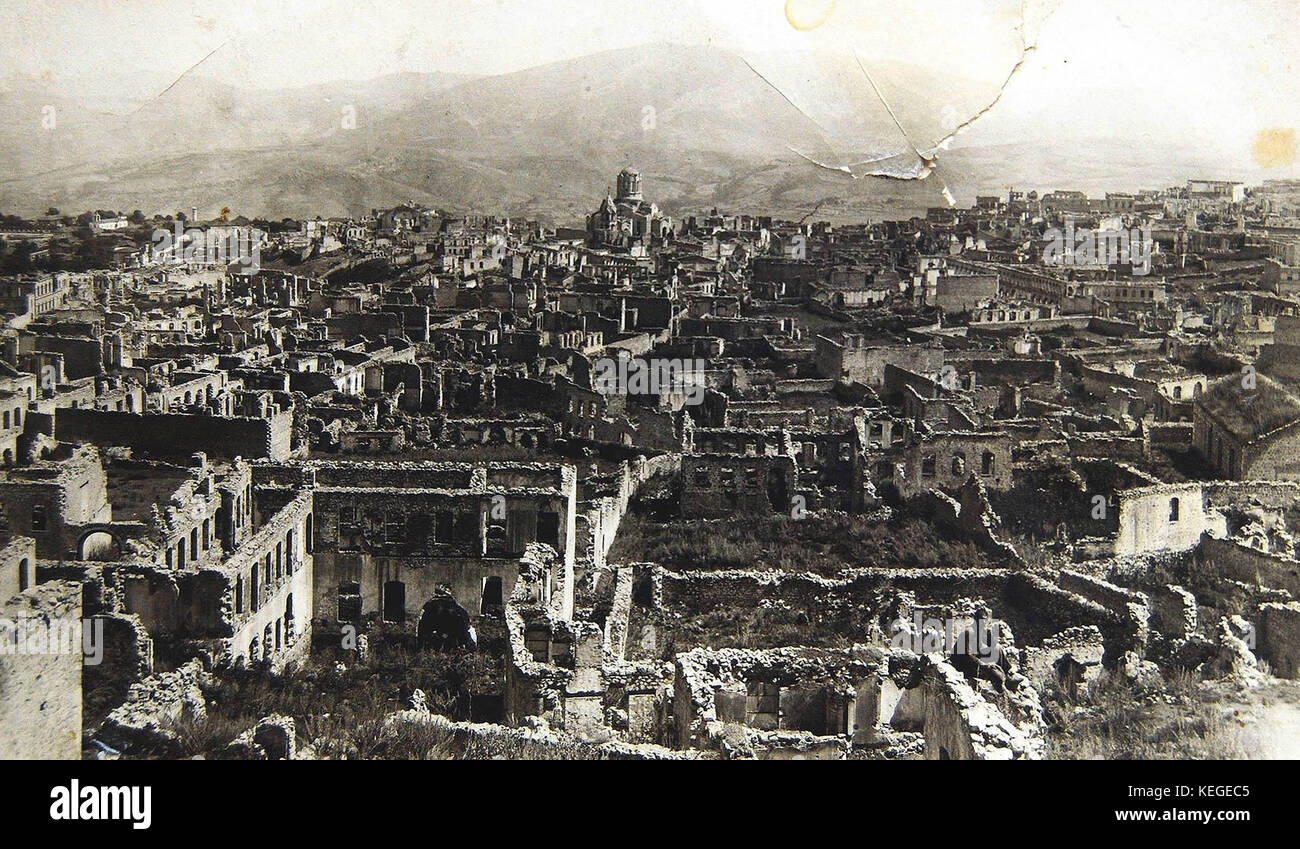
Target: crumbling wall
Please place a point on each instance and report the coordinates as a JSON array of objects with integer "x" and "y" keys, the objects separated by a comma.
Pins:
[
  {"x": 598, "y": 525},
  {"x": 616, "y": 622},
  {"x": 17, "y": 566},
  {"x": 1117, "y": 599},
  {"x": 177, "y": 433},
  {"x": 127, "y": 658},
  {"x": 1278, "y": 638},
  {"x": 544, "y": 743},
  {"x": 263, "y": 592},
  {"x": 1173, "y": 612},
  {"x": 273, "y": 738},
  {"x": 1031, "y": 605},
  {"x": 1037, "y": 609},
  {"x": 1107, "y": 446},
  {"x": 1268, "y": 494},
  {"x": 532, "y": 687},
  {"x": 948, "y": 460},
  {"x": 1169, "y": 436},
  {"x": 1067, "y": 659},
  {"x": 40, "y": 674},
  {"x": 718, "y": 486},
  {"x": 960, "y": 725},
  {"x": 701, "y": 591},
  {"x": 809, "y": 694},
  {"x": 1164, "y": 516},
  {"x": 973, "y": 518},
  {"x": 1015, "y": 371},
  {"x": 422, "y": 528},
  {"x": 59, "y": 494},
  {"x": 892, "y": 697},
  {"x": 1229, "y": 559},
  {"x": 850, "y": 359},
  {"x": 146, "y": 722}
]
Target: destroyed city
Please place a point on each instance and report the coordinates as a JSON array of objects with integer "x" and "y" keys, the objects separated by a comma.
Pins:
[{"x": 720, "y": 389}]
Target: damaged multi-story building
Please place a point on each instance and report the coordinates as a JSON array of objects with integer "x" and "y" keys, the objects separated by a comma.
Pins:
[{"x": 711, "y": 486}]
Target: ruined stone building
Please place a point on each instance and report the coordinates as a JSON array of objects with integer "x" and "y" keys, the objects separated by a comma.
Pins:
[{"x": 748, "y": 488}]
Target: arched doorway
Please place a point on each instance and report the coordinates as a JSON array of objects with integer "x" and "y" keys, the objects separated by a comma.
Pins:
[
  {"x": 99, "y": 545},
  {"x": 445, "y": 625}
]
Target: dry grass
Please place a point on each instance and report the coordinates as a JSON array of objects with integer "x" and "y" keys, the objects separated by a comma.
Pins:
[
  {"x": 824, "y": 544},
  {"x": 1186, "y": 721},
  {"x": 341, "y": 710}
]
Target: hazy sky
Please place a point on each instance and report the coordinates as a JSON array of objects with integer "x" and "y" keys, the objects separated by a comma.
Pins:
[
  {"x": 287, "y": 42},
  {"x": 1212, "y": 72},
  {"x": 284, "y": 42}
]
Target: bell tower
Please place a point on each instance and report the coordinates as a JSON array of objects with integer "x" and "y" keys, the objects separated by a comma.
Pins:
[{"x": 629, "y": 185}]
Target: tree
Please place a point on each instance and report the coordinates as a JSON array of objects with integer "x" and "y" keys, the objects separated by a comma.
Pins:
[
  {"x": 95, "y": 252},
  {"x": 21, "y": 259}
]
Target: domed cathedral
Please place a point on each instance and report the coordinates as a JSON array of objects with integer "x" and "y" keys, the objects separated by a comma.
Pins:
[{"x": 628, "y": 220}]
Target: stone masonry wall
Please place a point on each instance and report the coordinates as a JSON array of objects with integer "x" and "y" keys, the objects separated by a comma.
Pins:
[
  {"x": 1278, "y": 640},
  {"x": 40, "y": 684},
  {"x": 178, "y": 433}
]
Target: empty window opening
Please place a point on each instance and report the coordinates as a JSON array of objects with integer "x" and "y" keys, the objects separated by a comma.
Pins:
[
  {"x": 548, "y": 529},
  {"x": 394, "y": 601},
  {"x": 349, "y": 601},
  {"x": 492, "y": 595}
]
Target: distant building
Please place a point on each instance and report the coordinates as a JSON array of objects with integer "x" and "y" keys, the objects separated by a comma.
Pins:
[
  {"x": 628, "y": 219},
  {"x": 1065, "y": 201},
  {"x": 1216, "y": 190},
  {"x": 1249, "y": 433},
  {"x": 104, "y": 225},
  {"x": 35, "y": 296}
]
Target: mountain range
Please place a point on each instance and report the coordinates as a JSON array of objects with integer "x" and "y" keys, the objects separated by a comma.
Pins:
[{"x": 706, "y": 127}]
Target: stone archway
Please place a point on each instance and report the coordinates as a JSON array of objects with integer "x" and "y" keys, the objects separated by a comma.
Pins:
[
  {"x": 100, "y": 545},
  {"x": 445, "y": 626}
]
